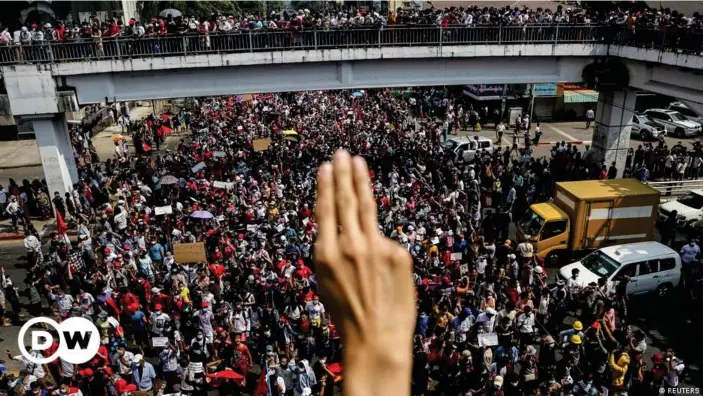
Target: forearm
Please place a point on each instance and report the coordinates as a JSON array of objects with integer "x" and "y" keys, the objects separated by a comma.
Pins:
[{"x": 367, "y": 374}]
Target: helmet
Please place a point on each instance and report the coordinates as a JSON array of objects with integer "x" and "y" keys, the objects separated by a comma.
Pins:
[
  {"x": 576, "y": 339},
  {"x": 578, "y": 326}
]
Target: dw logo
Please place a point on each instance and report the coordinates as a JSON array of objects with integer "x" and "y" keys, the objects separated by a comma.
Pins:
[{"x": 79, "y": 340}]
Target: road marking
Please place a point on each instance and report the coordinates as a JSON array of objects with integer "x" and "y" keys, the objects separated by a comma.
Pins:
[{"x": 562, "y": 133}]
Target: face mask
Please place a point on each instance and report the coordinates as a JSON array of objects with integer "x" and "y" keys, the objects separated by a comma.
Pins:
[
  {"x": 323, "y": 361},
  {"x": 158, "y": 312},
  {"x": 200, "y": 336}
]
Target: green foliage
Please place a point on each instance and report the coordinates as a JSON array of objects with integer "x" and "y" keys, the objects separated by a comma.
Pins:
[{"x": 200, "y": 8}]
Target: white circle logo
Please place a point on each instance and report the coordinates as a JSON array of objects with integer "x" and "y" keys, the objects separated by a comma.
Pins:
[{"x": 79, "y": 340}]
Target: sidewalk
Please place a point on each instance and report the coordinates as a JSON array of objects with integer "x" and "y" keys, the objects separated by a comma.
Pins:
[
  {"x": 7, "y": 233},
  {"x": 25, "y": 153}
]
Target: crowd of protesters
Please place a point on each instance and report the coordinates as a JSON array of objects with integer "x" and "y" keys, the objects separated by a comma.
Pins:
[
  {"x": 651, "y": 27},
  {"x": 242, "y": 182}
]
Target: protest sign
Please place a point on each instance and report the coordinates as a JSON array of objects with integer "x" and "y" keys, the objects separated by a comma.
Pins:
[
  {"x": 162, "y": 210},
  {"x": 488, "y": 339},
  {"x": 195, "y": 367},
  {"x": 219, "y": 154},
  {"x": 199, "y": 166},
  {"x": 223, "y": 185},
  {"x": 189, "y": 252},
  {"x": 261, "y": 144},
  {"x": 456, "y": 256},
  {"x": 159, "y": 342}
]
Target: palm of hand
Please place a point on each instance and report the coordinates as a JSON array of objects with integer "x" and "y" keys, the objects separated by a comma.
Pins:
[{"x": 365, "y": 278}]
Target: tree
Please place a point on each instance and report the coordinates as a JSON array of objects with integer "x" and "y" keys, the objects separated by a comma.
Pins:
[{"x": 148, "y": 9}]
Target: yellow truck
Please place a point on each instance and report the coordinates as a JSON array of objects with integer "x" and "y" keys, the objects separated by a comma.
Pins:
[{"x": 590, "y": 214}]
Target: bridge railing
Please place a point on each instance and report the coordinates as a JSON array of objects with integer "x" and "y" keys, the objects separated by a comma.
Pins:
[
  {"x": 675, "y": 38},
  {"x": 673, "y": 189},
  {"x": 255, "y": 41}
]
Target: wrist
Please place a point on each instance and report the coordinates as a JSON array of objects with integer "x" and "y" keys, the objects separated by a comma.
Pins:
[{"x": 371, "y": 371}]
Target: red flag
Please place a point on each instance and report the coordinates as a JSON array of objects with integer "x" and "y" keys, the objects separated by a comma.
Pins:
[
  {"x": 262, "y": 388},
  {"x": 164, "y": 117},
  {"x": 61, "y": 226},
  {"x": 146, "y": 147},
  {"x": 166, "y": 130}
]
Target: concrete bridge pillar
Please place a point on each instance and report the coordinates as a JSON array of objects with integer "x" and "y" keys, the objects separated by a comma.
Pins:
[
  {"x": 611, "y": 137},
  {"x": 56, "y": 152}
]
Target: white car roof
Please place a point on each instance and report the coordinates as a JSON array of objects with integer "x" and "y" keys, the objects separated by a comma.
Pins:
[
  {"x": 663, "y": 111},
  {"x": 633, "y": 252},
  {"x": 464, "y": 139}
]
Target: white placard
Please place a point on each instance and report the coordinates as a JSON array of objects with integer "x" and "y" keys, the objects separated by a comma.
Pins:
[
  {"x": 252, "y": 227},
  {"x": 195, "y": 367},
  {"x": 488, "y": 339},
  {"x": 306, "y": 221},
  {"x": 457, "y": 256},
  {"x": 162, "y": 210},
  {"x": 112, "y": 321},
  {"x": 219, "y": 154},
  {"x": 464, "y": 269},
  {"x": 159, "y": 342},
  {"x": 220, "y": 218},
  {"x": 199, "y": 166},
  {"x": 223, "y": 185}
]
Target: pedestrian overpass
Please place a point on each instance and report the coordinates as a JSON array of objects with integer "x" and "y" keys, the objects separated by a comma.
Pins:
[{"x": 42, "y": 82}]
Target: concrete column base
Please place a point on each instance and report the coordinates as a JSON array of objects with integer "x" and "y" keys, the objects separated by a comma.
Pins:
[
  {"x": 611, "y": 136},
  {"x": 56, "y": 153}
]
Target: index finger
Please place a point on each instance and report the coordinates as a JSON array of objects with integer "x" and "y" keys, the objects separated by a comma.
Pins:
[{"x": 325, "y": 212}]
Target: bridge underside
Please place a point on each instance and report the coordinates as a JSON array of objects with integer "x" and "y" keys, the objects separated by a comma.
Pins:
[{"x": 143, "y": 85}]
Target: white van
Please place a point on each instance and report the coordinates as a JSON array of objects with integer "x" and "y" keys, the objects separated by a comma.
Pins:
[{"x": 651, "y": 266}]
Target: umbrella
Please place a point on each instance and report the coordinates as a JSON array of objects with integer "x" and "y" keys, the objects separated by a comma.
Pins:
[
  {"x": 201, "y": 214},
  {"x": 228, "y": 374},
  {"x": 117, "y": 138},
  {"x": 168, "y": 179},
  {"x": 290, "y": 134},
  {"x": 172, "y": 11},
  {"x": 357, "y": 94}
]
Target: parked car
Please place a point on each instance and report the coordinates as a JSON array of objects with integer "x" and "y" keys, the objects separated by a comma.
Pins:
[
  {"x": 688, "y": 207},
  {"x": 686, "y": 111},
  {"x": 675, "y": 122},
  {"x": 645, "y": 128},
  {"x": 651, "y": 266},
  {"x": 466, "y": 147}
]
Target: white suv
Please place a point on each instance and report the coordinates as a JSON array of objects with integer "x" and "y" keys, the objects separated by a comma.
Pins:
[
  {"x": 465, "y": 148},
  {"x": 675, "y": 122},
  {"x": 651, "y": 267},
  {"x": 645, "y": 128},
  {"x": 686, "y": 111},
  {"x": 688, "y": 207}
]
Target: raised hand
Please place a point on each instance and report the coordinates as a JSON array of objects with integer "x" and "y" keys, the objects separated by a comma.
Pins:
[{"x": 366, "y": 281}]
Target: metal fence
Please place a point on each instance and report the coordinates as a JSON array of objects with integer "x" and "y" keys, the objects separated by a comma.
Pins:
[
  {"x": 672, "y": 38},
  {"x": 391, "y": 36},
  {"x": 253, "y": 41},
  {"x": 673, "y": 189}
]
